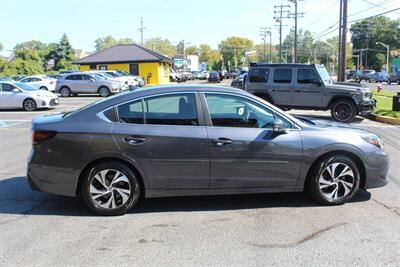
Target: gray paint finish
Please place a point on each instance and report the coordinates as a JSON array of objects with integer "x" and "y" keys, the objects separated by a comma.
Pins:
[{"x": 182, "y": 160}]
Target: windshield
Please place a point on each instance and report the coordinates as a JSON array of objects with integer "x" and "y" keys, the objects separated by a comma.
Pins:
[
  {"x": 324, "y": 75},
  {"x": 97, "y": 77},
  {"x": 112, "y": 74},
  {"x": 25, "y": 87},
  {"x": 123, "y": 73},
  {"x": 105, "y": 74}
]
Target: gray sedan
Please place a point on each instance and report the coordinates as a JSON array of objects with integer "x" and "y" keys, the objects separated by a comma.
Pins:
[{"x": 197, "y": 140}]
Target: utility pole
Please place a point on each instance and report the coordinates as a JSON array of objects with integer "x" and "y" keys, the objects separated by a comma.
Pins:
[
  {"x": 295, "y": 16},
  {"x": 270, "y": 46},
  {"x": 141, "y": 29},
  {"x": 280, "y": 10},
  {"x": 342, "y": 72},
  {"x": 263, "y": 33}
]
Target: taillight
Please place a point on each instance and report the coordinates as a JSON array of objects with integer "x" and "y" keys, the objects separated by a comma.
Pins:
[
  {"x": 52, "y": 82},
  {"x": 40, "y": 136}
]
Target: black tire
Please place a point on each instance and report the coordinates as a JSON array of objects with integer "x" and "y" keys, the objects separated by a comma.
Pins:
[
  {"x": 65, "y": 92},
  {"x": 343, "y": 110},
  {"x": 389, "y": 82},
  {"x": 315, "y": 182},
  {"x": 104, "y": 91},
  {"x": 134, "y": 188},
  {"x": 43, "y": 88},
  {"x": 29, "y": 104}
]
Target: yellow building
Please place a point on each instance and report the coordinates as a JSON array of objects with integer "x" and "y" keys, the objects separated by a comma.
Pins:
[{"x": 132, "y": 58}]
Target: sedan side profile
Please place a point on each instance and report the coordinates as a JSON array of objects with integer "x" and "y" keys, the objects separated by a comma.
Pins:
[
  {"x": 40, "y": 82},
  {"x": 17, "y": 95},
  {"x": 196, "y": 140}
]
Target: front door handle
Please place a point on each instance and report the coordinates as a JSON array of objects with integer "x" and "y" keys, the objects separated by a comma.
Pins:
[
  {"x": 222, "y": 141},
  {"x": 134, "y": 140}
]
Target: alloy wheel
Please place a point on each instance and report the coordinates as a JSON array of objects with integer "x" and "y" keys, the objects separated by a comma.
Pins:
[
  {"x": 336, "y": 181},
  {"x": 110, "y": 189},
  {"x": 65, "y": 92},
  {"x": 343, "y": 111},
  {"x": 29, "y": 105},
  {"x": 104, "y": 92}
]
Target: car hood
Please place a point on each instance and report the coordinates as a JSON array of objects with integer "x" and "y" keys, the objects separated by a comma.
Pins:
[
  {"x": 347, "y": 87},
  {"x": 331, "y": 125}
]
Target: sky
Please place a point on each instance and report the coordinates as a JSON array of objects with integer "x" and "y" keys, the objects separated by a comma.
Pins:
[{"x": 195, "y": 21}]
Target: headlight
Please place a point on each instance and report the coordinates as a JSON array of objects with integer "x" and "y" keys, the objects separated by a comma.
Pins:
[
  {"x": 366, "y": 95},
  {"x": 374, "y": 140}
]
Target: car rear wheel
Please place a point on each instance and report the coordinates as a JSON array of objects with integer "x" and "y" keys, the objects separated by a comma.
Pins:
[
  {"x": 110, "y": 189},
  {"x": 43, "y": 88},
  {"x": 65, "y": 92},
  {"x": 334, "y": 180},
  {"x": 104, "y": 92},
  {"x": 343, "y": 110},
  {"x": 29, "y": 105}
]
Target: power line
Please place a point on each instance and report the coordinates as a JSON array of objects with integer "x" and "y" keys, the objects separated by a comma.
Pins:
[
  {"x": 377, "y": 15},
  {"x": 141, "y": 29},
  {"x": 280, "y": 10},
  {"x": 296, "y": 15}
]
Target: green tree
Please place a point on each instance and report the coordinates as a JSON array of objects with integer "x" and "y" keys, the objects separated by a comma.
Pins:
[
  {"x": 192, "y": 50},
  {"x": 1, "y": 47},
  {"x": 161, "y": 46},
  {"x": 109, "y": 41},
  {"x": 63, "y": 54},
  {"x": 26, "y": 62},
  {"x": 233, "y": 48},
  {"x": 365, "y": 34}
]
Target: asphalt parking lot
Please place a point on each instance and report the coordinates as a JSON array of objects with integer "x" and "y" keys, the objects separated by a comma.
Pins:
[{"x": 268, "y": 229}]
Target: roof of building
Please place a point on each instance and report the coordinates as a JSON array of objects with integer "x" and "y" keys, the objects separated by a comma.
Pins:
[{"x": 124, "y": 53}]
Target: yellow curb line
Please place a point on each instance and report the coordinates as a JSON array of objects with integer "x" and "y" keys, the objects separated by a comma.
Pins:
[{"x": 385, "y": 119}]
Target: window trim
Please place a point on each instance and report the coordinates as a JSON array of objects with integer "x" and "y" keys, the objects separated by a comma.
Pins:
[
  {"x": 315, "y": 72},
  {"x": 207, "y": 116},
  {"x": 200, "y": 115},
  {"x": 268, "y": 78}
]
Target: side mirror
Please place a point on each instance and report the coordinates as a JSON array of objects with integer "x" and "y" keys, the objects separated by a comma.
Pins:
[
  {"x": 278, "y": 128},
  {"x": 16, "y": 90}
]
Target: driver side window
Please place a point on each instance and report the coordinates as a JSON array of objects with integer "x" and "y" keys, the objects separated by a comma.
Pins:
[{"x": 235, "y": 111}]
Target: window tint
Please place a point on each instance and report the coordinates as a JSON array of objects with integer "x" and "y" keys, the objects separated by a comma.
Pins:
[
  {"x": 74, "y": 77},
  {"x": 283, "y": 76},
  {"x": 306, "y": 76},
  {"x": 7, "y": 87},
  {"x": 176, "y": 109},
  {"x": 26, "y": 80},
  {"x": 86, "y": 77},
  {"x": 234, "y": 111},
  {"x": 35, "y": 80},
  {"x": 259, "y": 75},
  {"x": 131, "y": 112}
]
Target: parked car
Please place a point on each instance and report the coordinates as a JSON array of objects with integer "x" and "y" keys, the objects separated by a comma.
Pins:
[
  {"x": 175, "y": 76},
  {"x": 18, "y": 77},
  {"x": 366, "y": 74},
  {"x": 6, "y": 79},
  {"x": 87, "y": 83},
  {"x": 379, "y": 77},
  {"x": 55, "y": 76},
  {"x": 306, "y": 86},
  {"x": 40, "y": 82},
  {"x": 350, "y": 74},
  {"x": 204, "y": 75},
  {"x": 196, "y": 75},
  {"x": 113, "y": 77},
  {"x": 214, "y": 77},
  {"x": 394, "y": 78},
  {"x": 17, "y": 95},
  {"x": 134, "y": 80},
  {"x": 221, "y": 141},
  {"x": 139, "y": 79},
  {"x": 239, "y": 82}
]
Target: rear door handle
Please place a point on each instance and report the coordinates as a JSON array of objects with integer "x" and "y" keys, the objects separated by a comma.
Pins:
[
  {"x": 134, "y": 140},
  {"x": 222, "y": 141}
]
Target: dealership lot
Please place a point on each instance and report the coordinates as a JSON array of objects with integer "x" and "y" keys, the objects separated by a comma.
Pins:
[{"x": 285, "y": 229}]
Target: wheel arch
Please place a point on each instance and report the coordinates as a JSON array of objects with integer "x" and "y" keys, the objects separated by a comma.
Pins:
[
  {"x": 341, "y": 97},
  {"x": 354, "y": 157},
  {"x": 91, "y": 164}
]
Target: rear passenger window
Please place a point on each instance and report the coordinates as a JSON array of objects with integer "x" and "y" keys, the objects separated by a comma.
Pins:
[
  {"x": 258, "y": 75},
  {"x": 176, "y": 109},
  {"x": 306, "y": 76},
  {"x": 283, "y": 76},
  {"x": 74, "y": 77},
  {"x": 131, "y": 112}
]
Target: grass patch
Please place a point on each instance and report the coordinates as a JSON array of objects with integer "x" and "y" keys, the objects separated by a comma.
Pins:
[{"x": 384, "y": 104}]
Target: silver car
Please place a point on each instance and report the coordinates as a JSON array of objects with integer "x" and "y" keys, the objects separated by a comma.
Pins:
[
  {"x": 87, "y": 83},
  {"x": 17, "y": 95}
]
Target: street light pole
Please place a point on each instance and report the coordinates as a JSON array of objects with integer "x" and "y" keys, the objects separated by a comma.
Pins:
[
  {"x": 387, "y": 54},
  {"x": 270, "y": 46}
]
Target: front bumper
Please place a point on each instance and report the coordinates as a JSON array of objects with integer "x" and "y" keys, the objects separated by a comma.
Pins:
[
  {"x": 47, "y": 103},
  {"x": 377, "y": 175},
  {"x": 366, "y": 107}
]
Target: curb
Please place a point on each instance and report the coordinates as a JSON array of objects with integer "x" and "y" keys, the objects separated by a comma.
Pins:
[{"x": 385, "y": 119}]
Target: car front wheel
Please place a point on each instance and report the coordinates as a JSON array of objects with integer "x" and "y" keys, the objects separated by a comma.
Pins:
[
  {"x": 343, "y": 110},
  {"x": 110, "y": 188},
  {"x": 65, "y": 92},
  {"x": 334, "y": 180},
  {"x": 29, "y": 105},
  {"x": 104, "y": 92}
]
